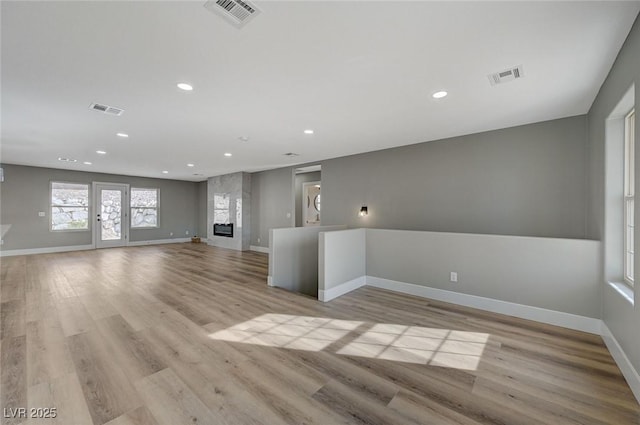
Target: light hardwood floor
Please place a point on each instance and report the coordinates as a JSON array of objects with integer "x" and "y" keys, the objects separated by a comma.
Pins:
[{"x": 184, "y": 333}]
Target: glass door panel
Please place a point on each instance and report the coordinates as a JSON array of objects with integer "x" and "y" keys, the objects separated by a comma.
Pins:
[{"x": 112, "y": 215}]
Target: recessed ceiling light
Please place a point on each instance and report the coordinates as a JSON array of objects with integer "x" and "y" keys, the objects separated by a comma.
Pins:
[
  {"x": 308, "y": 131},
  {"x": 243, "y": 138},
  {"x": 227, "y": 154},
  {"x": 165, "y": 172},
  {"x": 87, "y": 163},
  {"x": 101, "y": 152},
  {"x": 123, "y": 135},
  {"x": 67, "y": 159},
  {"x": 439, "y": 94},
  {"x": 190, "y": 165},
  {"x": 185, "y": 86}
]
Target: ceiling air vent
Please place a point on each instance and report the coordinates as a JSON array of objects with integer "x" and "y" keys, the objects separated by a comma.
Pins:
[
  {"x": 238, "y": 12},
  {"x": 106, "y": 109},
  {"x": 506, "y": 75}
]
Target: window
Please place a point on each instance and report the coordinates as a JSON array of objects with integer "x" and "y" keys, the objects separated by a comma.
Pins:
[
  {"x": 144, "y": 208},
  {"x": 629, "y": 195},
  {"x": 69, "y": 206},
  {"x": 221, "y": 208}
]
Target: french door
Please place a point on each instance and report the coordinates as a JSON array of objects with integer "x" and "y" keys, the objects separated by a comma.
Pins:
[{"x": 111, "y": 225}]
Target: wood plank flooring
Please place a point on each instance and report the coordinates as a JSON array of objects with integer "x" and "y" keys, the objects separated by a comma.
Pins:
[{"x": 185, "y": 333}]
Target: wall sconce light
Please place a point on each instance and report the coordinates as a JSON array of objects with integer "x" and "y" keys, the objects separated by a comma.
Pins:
[{"x": 363, "y": 211}]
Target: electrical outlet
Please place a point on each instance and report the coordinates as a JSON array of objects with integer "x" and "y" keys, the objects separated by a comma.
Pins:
[
  {"x": 171, "y": 234},
  {"x": 288, "y": 215},
  {"x": 453, "y": 277},
  {"x": 40, "y": 213},
  {"x": 186, "y": 233},
  {"x": 258, "y": 240}
]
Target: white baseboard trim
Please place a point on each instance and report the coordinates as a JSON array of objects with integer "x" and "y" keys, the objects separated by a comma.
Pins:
[
  {"x": 159, "y": 241},
  {"x": 258, "y": 249},
  {"x": 50, "y": 250},
  {"x": 621, "y": 359},
  {"x": 552, "y": 317},
  {"x": 54, "y": 249},
  {"x": 270, "y": 280},
  {"x": 342, "y": 289}
]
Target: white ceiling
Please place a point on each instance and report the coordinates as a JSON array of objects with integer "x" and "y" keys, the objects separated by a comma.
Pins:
[{"x": 360, "y": 74}]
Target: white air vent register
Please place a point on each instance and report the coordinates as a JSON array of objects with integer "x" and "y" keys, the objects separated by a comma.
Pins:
[
  {"x": 111, "y": 110},
  {"x": 237, "y": 12},
  {"x": 506, "y": 75}
]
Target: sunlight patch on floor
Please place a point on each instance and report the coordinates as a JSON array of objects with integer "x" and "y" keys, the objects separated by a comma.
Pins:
[
  {"x": 409, "y": 344},
  {"x": 416, "y": 344},
  {"x": 283, "y": 330}
]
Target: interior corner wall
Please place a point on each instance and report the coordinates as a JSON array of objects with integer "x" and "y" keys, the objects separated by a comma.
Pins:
[
  {"x": 202, "y": 210},
  {"x": 526, "y": 181},
  {"x": 25, "y": 192},
  {"x": 622, "y": 318},
  {"x": 299, "y": 179},
  {"x": 293, "y": 258},
  {"x": 272, "y": 201}
]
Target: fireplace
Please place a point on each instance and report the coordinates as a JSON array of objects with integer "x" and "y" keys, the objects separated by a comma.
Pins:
[
  {"x": 228, "y": 211},
  {"x": 220, "y": 229}
]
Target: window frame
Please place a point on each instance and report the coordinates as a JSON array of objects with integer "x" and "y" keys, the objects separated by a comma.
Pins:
[
  {"x": 131, "y": 207},
  {"x": 51, "y": 206},
  {"x": 628, "y": 270}
]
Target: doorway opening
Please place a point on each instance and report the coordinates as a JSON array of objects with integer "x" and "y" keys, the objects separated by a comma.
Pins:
[
  {"x": 111, "y": 221},
  {"x": 308, "y": 196}
]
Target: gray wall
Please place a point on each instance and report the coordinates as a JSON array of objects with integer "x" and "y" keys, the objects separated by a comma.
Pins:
[
  {"x": 555, "y": 274},
  {"x": 528, "y": 180},
  {"x": 298, "y": 180},
  {"x": 202, "y": 209},
  {"x": 293, "y": 258},
  {"x": 622, "y": 318},
  {"x": 271, "y": 200},
  {"x": 25, "y": 191}
]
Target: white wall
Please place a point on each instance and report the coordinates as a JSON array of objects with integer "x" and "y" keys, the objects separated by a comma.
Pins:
[{"x": 293, "y": 258}]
